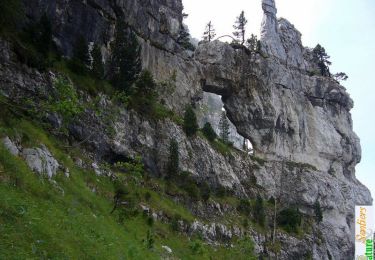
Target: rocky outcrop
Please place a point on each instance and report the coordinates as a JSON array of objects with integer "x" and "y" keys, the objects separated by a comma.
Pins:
[
  {"x": 155, "y": 21},
  {"x": 300, "y": 125},
  {"x": 41, "y": 161},
  {"x": 294, "y": 121}
]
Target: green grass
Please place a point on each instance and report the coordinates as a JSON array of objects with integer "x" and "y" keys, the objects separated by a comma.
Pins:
[
  {"x": 161, "y": 112},
  {"x": 218, "y": 145},
  {"x": 64, "y": 219},
  {"x": 305, "y": 166}
]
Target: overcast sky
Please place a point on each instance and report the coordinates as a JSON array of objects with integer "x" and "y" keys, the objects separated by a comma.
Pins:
[{"x": 346, "y": 28}]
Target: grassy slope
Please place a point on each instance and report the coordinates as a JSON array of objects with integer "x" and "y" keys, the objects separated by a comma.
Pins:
[{"x": 65, "y": 219}]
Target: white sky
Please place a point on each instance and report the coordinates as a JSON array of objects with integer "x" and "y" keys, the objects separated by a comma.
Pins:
[
  {"x": 346, "y": 28},
  {"x": 223, "y": 14}
]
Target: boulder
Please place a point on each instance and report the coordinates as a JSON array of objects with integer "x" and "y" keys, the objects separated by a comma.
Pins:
[{"x": 41, "y": 161}]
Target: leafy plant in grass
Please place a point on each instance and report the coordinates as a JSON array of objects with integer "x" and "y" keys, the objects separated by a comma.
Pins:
[
  {"x": 174, "y": 222},
  {"x": 209, "y": 132},
  {"x": 124, "y": 202},
  {"x": 134, "y": 167},
  {"x": 196, "y": 247},
  {"x": 150, "y": 239}
]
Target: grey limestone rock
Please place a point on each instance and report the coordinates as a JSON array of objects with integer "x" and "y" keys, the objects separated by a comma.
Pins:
[
  {"x": 299, "y": 124},
  {"x": 41, "y": 161},
  {"x": 10, "y": 146}
]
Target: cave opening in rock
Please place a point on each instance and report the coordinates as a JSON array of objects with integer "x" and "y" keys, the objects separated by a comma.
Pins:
[{"x": 210, "y": 109}]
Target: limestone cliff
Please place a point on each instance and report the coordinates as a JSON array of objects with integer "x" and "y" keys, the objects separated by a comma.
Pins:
[{"x": 299, "y": 125}]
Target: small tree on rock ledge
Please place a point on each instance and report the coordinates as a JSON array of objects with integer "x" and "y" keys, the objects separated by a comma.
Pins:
[
  {"x": 190, "y": 121},
  {"x": 322, "y": 60},
  {"x": 224, "y": 127}
]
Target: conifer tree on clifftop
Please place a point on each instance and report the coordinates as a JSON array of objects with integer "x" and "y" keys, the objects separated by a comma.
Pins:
[
  {"x": 240, "y": 28},
  {"x": 209, "y": 33},
  {"x": 322, "y": 59}
]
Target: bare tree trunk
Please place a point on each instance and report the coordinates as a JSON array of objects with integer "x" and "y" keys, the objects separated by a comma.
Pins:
[{"x": 274, "y": 224}]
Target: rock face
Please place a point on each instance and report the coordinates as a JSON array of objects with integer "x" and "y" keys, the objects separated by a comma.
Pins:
[
  {"x": 290, "y": 116},
  {"x": 300, "y": 125}
]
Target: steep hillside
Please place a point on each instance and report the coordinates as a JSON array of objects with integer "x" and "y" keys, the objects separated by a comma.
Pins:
[{"x": 101, "y": 157}]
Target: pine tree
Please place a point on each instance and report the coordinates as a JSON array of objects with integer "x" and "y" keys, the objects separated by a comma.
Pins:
[
  {"x": 209, "y": 132},
  {"x": 209, "y": 33},
  {"x": 340, "y": 76},
  {"x": 190, "y": 122},
  {"x": 252, "y": 43},
  {"x": 240, "y": 28},
  {"x": 224, "y": 127},
  {"x": 184, "y": 39},
  {"x": 173, "y": 160},
  {"x": 43, "y": 36},
  {"x": 97, "y": 62},
  {"x": 125, "y": 61},
  {"x": 81, "y": 51},
  {"x": 143, "y": 93},
  {"x": 81, "y": 56},
  {"x": 318, "y": 212},
  {"x": 259, "y": 214},
  {"x": 322, "y": 59}
]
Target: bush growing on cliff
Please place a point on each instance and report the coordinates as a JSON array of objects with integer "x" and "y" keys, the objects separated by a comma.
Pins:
[
  {"x": 318, "y": 212},
  {"x": 244, "y": 207},
  {"x": 184, "y": 39},
  {"x": 289, "y": 219},
  {"x": 68, "y": 105},
  {"x": 190, "y": 121},
  {"x": 173, "y": 160},
  {"x": 259, "y": 213},
  {"x": 209, "y": 132},
  {"x": 143, "y": 93},
  {"x": 125, "y": 60}
]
